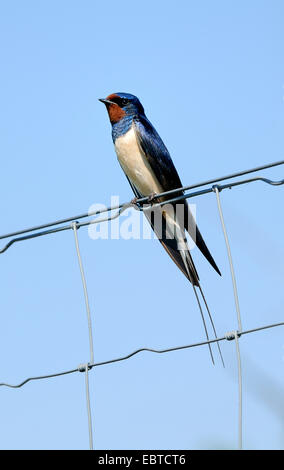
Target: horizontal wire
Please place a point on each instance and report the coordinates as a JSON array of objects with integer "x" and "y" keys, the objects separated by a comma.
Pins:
[
  {"x": 145, "y": 199},
  {"x": 58, "y": 374},
  {"x": 210, "y": 190},
  {"x": 82, "y": 367},
  {"x": 125, "y": 206}
]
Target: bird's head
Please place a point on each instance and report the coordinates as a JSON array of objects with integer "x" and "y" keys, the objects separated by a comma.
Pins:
[{"x": 120, "y": 105}]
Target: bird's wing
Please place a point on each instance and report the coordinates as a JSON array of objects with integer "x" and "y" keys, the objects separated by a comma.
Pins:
[
  {"x": 157, "y": 154},
  {"x": 163, "y": 167},
  {"x": 182, "y": 258}
]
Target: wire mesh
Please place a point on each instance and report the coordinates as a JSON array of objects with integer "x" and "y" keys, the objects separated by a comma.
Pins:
[{"x": 64, "y": 224}]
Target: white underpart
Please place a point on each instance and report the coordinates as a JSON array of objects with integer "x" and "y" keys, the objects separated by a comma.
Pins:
[
  {"x": 139, "y": 172},
  {"x": 135, "y": 164}
]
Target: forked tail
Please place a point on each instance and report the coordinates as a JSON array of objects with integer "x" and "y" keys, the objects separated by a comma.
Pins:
[
  {"x": 212, "y": 322},
  {"x": 190, "y": 268}
]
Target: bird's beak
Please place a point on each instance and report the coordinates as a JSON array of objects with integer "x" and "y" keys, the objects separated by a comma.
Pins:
[{"x": 102, "y": 100}]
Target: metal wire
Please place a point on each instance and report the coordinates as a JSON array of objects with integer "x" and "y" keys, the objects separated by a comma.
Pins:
[
  {"x": 120, "y": 209},
  {"x": 140, "y": 201},
  {"x": 91, "y": 443},
  {"x": 240, "y": 387},
  {"x": 74, "y": 226},
  {"x": 140, "y": 350},
  {"x": 40, "y": 377},
  {"x": 236, "y": 334},
  {"x": 216, "y": 189},
  {"x": 138, "y": 205}
]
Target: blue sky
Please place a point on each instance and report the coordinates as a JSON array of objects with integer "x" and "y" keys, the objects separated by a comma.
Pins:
[{"x": 210, "y": 76}]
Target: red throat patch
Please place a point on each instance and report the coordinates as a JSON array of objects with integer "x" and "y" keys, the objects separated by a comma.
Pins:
[{"x": 114, "y": 111}]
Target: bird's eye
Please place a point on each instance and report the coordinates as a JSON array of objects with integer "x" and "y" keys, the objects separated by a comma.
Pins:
[{"x": 124, "y": 102}]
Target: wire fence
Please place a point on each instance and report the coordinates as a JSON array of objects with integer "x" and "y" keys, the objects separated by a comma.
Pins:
[{"x": 71, "y": 223}]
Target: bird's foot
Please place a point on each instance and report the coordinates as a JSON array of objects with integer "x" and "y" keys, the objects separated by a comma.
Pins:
[
  {"x": 152, "y": 198},
  {"x": 134, "y": 202}
]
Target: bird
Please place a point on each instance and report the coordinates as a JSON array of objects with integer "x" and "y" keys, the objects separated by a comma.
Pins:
[{"x": 150, "y": 170}]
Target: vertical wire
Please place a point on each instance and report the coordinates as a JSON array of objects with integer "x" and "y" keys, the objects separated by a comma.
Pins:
[
  {"x": 74, "y": 227},
  {"x": 236, "y": 333},
  {"x": 240, "y": 417},
  {"x": 216, "y": 190},
  {"x": 89, "y": 407}
]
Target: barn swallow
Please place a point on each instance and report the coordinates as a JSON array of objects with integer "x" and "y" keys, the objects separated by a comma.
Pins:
[{"x": 150, "y": 170}]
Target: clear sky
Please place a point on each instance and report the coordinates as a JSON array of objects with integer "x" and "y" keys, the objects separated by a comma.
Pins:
[{"x": 210, "y": 76}]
